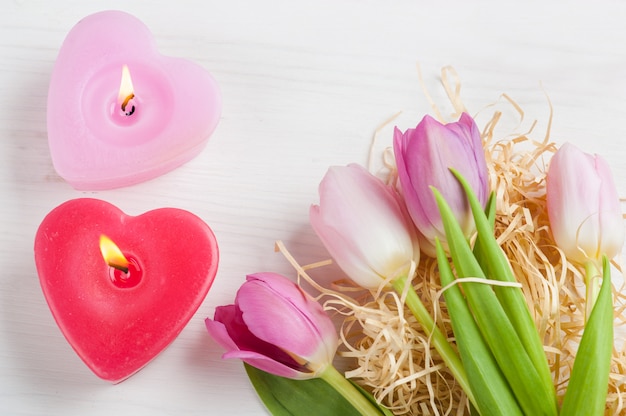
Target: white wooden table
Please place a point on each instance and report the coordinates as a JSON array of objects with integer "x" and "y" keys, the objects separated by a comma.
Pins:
[{"x": 304, "y": 84}]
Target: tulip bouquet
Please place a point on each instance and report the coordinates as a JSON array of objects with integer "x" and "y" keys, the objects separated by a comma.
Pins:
[{"x": 465, "y": 269}]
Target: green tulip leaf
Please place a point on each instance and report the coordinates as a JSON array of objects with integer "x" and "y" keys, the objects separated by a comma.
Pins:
[
  {"x": 490, "y": 208},
  {"x": 491, "y": 390},
  {"x": 494, "y": 324},
  {"x": 496, "y": 266},
  {"x": 588, "y": 384},
  {"x": 286, "y": 397},
  {"x": 384, "y": 410}
]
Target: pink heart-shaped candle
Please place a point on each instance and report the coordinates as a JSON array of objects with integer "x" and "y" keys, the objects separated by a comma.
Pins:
[
  {"x": 103, "y": 135},
  {"x": 118, "y": 320}
]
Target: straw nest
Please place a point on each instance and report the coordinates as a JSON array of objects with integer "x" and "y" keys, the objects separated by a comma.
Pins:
[{"x": 387, "y": 350}]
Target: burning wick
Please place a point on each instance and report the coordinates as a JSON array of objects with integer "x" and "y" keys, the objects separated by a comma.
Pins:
[
  {"x": 112, "y": 255},
  {"x": 126, "y": 93},
  {"x": 132, "y": 110}
]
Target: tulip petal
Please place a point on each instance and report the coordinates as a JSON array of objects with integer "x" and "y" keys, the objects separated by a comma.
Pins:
[
  {"x": 267, "y": 299},
  {"x": 415, "y": 174},
  {"x": 424, "y": 156},
  {"x": 611, "y": 221},
  {"x": 276, "y": 327},
  {"x": 231, "y": 332},
  {"x": 348, "y": 256},
  {"x": 570, "y": 178},
  {"x": 583, "y": 205},
  {"x": 218, "y": 331},
  {"x": 269, "y": 365},
  {"x": 362, "y": 223}
]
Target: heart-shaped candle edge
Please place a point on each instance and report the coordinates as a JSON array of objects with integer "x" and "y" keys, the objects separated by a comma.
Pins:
[
  {"x": 45, "y": 249},
  {"x": 77, "y": 154}
]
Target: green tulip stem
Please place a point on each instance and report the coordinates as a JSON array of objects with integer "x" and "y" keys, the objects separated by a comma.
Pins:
[
  {"x": 438, "y": 339},
  {"x": 592, "y": 285},
  {"x": 349, "y": 391}
]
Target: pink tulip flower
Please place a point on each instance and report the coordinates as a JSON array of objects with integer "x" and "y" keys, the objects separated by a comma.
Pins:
[
  {"x": 424, "y": 156},
  {"x": 276, "y": 327},
  {"x": 583, "y": 206},
  {"x": 364, "y": 226}
]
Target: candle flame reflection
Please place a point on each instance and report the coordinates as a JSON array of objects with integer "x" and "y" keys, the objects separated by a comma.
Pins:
[
  {"x": 112, "y": 255},
  {"x": 126, "y": 92}
]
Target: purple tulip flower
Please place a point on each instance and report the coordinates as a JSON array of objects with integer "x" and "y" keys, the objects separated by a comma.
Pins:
[
  {"x": 364, "y": 226},
  {"x": 276, "y": 327},
  {"x": 423, "y": 158},
  {"x": 583, "y": 206}
]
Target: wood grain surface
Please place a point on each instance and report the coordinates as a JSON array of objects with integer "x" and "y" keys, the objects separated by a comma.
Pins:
[{"x": 305, "y": 85}]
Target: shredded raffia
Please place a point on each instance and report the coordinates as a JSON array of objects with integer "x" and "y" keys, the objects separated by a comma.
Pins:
[{"x": 389, "y": 353}]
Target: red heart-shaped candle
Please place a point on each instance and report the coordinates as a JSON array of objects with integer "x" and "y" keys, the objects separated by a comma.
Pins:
[
  {"x": 103, "y": 134},
  {"x": 117, "y": 321}
]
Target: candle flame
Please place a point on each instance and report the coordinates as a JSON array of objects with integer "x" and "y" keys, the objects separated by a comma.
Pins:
[
  {"x": 127, "y": 92},
  {"x": 112, "y": 255}
]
